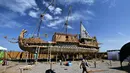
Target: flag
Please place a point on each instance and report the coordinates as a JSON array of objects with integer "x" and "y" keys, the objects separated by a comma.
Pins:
[{"x": 83, "y": 32}]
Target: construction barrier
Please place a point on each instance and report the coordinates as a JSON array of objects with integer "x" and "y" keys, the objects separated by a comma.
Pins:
[{"x": 16, "y": 55}]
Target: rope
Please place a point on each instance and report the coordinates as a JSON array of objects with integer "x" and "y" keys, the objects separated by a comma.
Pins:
[
  {"x": 10, "y": 40},
  {"x": 40, "y": 22}
]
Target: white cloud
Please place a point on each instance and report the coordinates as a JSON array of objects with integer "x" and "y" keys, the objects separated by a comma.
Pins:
[
  {"x": 104, "y": 1},
  {"x": 89, "y": 2},
  {"x": 19, "y": 6},
  {"x": 90, "y": 13},
  {"x": 58, "y": 11},
  {"x": 33, "y": 14},
  {"x": 55, "y": 23},
  {"x": 42, "y": 27},
  {"x": 36, "y": 8},
  {"x": 12, "y": 24},
  {"x": 52, "y": 9},
  {"x": 121, "y": 34},
  {"x": 55, "y": 27},
  {"x": 56, "y": 17},
  {"x": 70, "y": 27},
  {"x": 8, "y": 21},
  {"x": 75, "y": 16},
  {"x": 45, "y": 3},
  {"x": 48, "y": 17},
  {"x": 112, "y": 3}
]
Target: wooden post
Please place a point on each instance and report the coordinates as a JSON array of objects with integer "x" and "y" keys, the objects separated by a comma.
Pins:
[
  {"x": 38, "y": 52},
  {"x": 47, "y": 57},
  {"x": 73, "y": 57},
  {"x": 50, "y": 54},
  {"x": 96, "y": 56},
  {"x": 21, "y": 70},
  {"x": 56, "y": 57},
  {"x": 36, "y": 55},
  {"x": 76, "y": 56},
  {"x": 83, "y": 56},
  {"x": 110, "y": 63},
  {"x": 65, "y": 56}
]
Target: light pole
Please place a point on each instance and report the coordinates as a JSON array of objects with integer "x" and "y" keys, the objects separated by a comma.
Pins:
[{"x": 50, "y": 55}]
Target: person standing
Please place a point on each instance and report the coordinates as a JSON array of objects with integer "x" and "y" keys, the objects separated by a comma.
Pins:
[
  {"x": 95, "y": 63},
  {"x": 83, "y": 65},
  {"x": 60, "y": 62}
]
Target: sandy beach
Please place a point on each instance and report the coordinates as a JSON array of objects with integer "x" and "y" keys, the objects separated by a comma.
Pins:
[{"x": 41, "y": 67}]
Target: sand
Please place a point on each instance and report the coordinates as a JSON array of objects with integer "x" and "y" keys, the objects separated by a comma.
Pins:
[{"x": 41, "y": 67}]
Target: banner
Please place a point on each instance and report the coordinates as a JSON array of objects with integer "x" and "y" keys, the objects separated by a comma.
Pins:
[
  {"x": 113, "y": 55},
  {"x": 1, "y": 56}
]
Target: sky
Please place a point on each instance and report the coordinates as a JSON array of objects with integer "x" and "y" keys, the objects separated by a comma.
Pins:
[{"x": 108, "y": 20}]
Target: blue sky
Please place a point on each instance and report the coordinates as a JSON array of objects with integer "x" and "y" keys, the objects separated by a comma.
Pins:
[{"x": 108, "y": 20}]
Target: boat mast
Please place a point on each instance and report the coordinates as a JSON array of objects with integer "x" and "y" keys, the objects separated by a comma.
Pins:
[
  {"x": 41, "y": 18},
  {"x": 66, "y": 23}
]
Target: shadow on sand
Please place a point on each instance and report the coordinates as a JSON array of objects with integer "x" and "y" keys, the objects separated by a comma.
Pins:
[
  {"x": 49, "y": 71},
  {"x": 125, "y": 68}
]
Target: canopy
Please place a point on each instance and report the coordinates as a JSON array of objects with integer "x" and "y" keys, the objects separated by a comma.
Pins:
[{"x": 2, "y": 48}]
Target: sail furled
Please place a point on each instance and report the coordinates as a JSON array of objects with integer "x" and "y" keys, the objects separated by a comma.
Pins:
[{"x": 83, "y": 32}]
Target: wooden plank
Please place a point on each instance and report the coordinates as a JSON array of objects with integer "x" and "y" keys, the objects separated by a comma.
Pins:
[{"x": 91, "y": 71}]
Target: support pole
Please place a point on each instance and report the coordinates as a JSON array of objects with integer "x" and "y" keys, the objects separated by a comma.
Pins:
[
  {"x": 35, "y": 55},
  {"x": 38, "y": 53},
  {"x": 26, "y": 57},
  {"x": 73, "y": 57},
  {"x": 48, "y": 54}
]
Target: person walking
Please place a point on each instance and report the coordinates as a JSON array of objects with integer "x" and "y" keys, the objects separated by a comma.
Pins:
[{"x": 83, "y": 65}]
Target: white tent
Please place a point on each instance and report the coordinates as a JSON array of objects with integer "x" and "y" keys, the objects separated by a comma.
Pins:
[{"x": 2, "y": 48}]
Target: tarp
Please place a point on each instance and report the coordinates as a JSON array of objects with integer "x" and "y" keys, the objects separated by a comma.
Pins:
[{"x": 2, "y": 48}]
